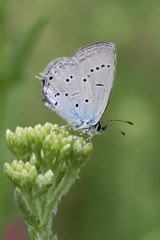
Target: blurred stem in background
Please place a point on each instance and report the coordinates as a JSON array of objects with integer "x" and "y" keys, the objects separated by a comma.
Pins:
[{"x": 12, "y": 66}]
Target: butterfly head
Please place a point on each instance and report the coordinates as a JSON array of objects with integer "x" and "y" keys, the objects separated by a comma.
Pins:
[{"x": 99, "y": 127}]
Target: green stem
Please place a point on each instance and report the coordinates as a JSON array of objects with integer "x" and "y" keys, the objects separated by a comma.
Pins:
[
  {"x": 38, "y": 233},
  {"x": 56, "y": 194}
]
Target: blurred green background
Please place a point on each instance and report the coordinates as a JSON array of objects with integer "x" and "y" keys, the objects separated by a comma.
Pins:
[{"x": 118, "y": 194}]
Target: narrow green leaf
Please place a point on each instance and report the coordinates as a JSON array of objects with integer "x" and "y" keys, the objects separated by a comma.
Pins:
[
  {"x": 28, "y": 215},
  {"x": 12, "y": 69},
  {"x": 3, "y": 4}
]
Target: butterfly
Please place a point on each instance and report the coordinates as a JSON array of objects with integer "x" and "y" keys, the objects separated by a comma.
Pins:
[{"x": 78, "y": 88}]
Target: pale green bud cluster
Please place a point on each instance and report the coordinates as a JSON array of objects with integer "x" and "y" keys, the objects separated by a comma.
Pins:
[
  {"x": 48, "y": 162},
  {"x": 43, "y": 152},
  {"x": 25, "y": 176},
  {"x": 28, "y": 140}
]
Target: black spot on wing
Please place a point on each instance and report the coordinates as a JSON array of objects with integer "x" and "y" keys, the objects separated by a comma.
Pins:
[
  {"x": 76, "y": 93},
  {"x": 99, "y": 84}
]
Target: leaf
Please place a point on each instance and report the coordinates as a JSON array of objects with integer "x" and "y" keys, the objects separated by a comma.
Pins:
[
  {"x": 3, "y": 4},
  {"x": 30, "y": 218},
  {"x": 11, "y": 71}
]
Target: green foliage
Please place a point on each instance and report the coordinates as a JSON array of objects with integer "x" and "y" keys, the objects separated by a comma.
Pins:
[
  {"x": 12, "y": 66},
  {"x": 48, "y": 163}
]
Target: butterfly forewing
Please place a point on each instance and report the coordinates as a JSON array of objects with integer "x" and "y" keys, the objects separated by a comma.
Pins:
[{"x": 98, "y": 61}]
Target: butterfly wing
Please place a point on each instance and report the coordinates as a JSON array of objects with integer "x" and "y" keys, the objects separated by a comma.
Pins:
[
  {"x": 63, "y": 88},
  {"x": 98, "y": 61}
]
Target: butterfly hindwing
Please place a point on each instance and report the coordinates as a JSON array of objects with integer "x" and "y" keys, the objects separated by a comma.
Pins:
[{"x": 63, "y": 90}]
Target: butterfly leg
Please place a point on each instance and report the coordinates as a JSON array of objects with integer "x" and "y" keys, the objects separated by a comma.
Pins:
[
  {"x": 82, "y": 133},
  {"x": 69, "y": 126},
  {"x": 90, "y": 135}
]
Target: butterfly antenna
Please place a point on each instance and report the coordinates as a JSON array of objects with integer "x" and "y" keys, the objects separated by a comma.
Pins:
[
  {"x": 41, "y": 76},
  {"x": 38, "y": 77},
  {"x": 117, "y": 129},
  {"x": 118, "y": 120}
]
